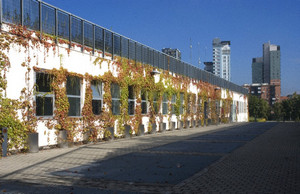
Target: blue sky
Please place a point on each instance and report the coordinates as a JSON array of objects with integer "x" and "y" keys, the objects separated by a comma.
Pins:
[{"x": 173, "y": 23}]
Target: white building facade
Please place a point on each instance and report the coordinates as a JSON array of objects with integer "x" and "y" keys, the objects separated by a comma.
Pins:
[{"x": 92, "y": 80}]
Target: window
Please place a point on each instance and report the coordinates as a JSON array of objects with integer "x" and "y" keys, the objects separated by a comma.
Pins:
[
  {"x": 194, "y": 107},
  {"x": 188, "y": 108},
  {"x": 165, "y": 104},
  {"x": 44, "y": 97},
  {"x": 131, "y": 100},
  {"x": 199, "y": 103},
  {"x": 115, "y": 95},
  {"x": 144, "y": 102},
  {"x": 155, "y": 105},
  {"x": 173, "y": 102},
  {"x": 97, "y": 100},
  {"x": 73, "y": 94},
  {"x": 181, "y": 103}
]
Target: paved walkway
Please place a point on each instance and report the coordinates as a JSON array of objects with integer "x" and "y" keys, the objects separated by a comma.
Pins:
[{"x": 232, "y": 158}]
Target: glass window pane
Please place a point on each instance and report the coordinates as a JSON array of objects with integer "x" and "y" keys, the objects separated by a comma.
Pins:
[
  {"x": 116, "y": 107},
  {"x": 165, "y": 99},
  {"x": 44, "y": 106},
  {"x": 181, "y": 103},
  {"x": 99, "y": 38},
  {"x": 48, "y": 20},
  {"x": 130, "y": 92},
  {"x": 117, "y": 45},
  {"x": 73, "y": 85},
  {"x": 31, "y": 14},
  {"x": 74, "y": 109},
  {"x": 144, "y": 107},
  {"x": 173, "y": 109},
  {"x": 63, "y": 25},
  {"x": 88, "y": 34},
  {"x": 11, "y": 11},
  {"x": 108, "y": 41},
  {"x": 124, "y": 49},
  {"x": 115, "y": 90},
  {"x": 76, "y": 30},
  {"x": 97, "y": 107},
  {"x": 165, "y": 108},
  {"x": 131, "y": 107},
  {"x": 97, "y": 89},
  {"x": 173, "y": 98},
  {"x": 43, "y": 82},
  {"x": 144, "y": 95}
]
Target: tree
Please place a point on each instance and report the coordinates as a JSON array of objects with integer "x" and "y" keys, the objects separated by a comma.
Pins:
[
  {"x": 278, "y": 111},
  {"x": 287, "y": 109},
  {"x": 258, "y": 108}
]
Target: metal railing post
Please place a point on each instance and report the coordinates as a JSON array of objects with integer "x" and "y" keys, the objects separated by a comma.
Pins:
[
  {"x": 22, "y": 12},
  {"x": 82, "y": 34},
  {"x": 120, "y": 46},
  {"x": 94, "y": 39},
  {"x": 103, "y": 35},
  {"x": 135, "y": 52},
  {"x": 70, "y": 31},
  {"x": 56, "y": 26},
  {"x": 112, "y": 46},
  {"x": 40, "y": 19},
  {"x": 1, "y": 14},
  {"x": 128, "y": 49}
]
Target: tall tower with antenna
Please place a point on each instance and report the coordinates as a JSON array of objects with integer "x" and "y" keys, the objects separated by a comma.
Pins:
[
  {"x": 191, "y": 48},
  {"x": 199, "y": 61}
]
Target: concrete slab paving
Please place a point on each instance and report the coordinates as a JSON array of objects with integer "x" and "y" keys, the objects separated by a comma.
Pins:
[{"x": 239, "y": 158}]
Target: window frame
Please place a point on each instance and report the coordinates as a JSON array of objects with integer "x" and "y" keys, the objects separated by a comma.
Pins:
[
  {"x": 72, "y": 96},
  {"x": 155, "y": 102},
  {"x": 165, "y": 104},
  {"x": 115, "y": 99},
  {"x": 181, "y": 109},
  {"x": 145, "y": 101},
  {"x": 43, "y": 94},
  {"x": 173, "y": 103},
  {"x": 131, "y": 100},
  {"x": 96, "y": 82}
]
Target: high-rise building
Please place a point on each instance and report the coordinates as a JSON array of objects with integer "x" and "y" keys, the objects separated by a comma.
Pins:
[
  {"x": 271, "y": 60},
  {"x": 266, "y": 70},
  {"x": 172, "y": 52},
  {"x": 209, "y": 67},
  {"x": 221, "y": 58},
  {"x": 257, "y": 70}
]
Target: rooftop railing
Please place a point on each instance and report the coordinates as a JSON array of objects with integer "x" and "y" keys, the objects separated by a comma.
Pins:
[{"x": 40, "y": 16}]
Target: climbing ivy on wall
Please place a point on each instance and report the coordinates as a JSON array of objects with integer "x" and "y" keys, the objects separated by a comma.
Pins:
[{"x": 129, "y": 73}]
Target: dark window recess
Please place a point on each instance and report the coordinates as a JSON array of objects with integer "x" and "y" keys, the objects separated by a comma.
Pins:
[
  {"x": 131, "y": 101},
  {"x": 43, "y": 82},
  {"x": 173, "y": 102},
  {"x": 73, "y": 85},
  {"x": 97, "y": 97},
  {"x": 144, "y": 102},
  {"x": 44, "y": 97},
  {"x": 97, "y": 107},
  {"x": 165, "y": 104},
  {"x": 181, "y": 103},
  {"x": 44, "y": 106},
  {"x": 155, "y": 105},
  {"x": 74, "y": 109}
]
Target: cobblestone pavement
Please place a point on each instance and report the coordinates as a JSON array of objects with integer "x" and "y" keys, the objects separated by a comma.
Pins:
[{"x": 232, "y": 158}]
